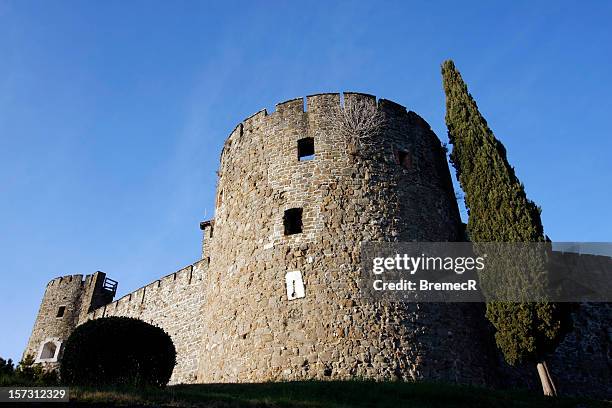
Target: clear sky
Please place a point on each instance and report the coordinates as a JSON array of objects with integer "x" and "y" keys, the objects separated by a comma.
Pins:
[{"x": 113, "y": 114}]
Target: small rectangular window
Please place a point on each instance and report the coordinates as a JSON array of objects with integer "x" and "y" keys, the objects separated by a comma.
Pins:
[
  {"x": 404, "y": 159},
  {"x": 306, "y": 149},
  {"x": 60, "y": 311},
  {"x": 293, "y": 221}
]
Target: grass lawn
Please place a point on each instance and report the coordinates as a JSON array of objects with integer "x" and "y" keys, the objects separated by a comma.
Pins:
[{"x": 323, "y": 394}]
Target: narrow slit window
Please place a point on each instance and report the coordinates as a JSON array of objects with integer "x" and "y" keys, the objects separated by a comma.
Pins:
[
  {"x": 220, "y": 198},
  {"x": 60, "y": 311},
  {"x": 293, "y": 221},
  {"x": 306, "y": 150}
]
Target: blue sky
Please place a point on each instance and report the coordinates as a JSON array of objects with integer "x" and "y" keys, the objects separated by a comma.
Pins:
[{"x": 113, "y": 114}]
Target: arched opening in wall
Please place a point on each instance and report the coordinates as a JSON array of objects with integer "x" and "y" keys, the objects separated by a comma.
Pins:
[
  {"x": 219, "y": 198},
  {"x": 48, "y": 351}
]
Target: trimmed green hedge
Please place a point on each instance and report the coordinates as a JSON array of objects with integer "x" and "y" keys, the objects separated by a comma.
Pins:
[{"x": 118, "y": 351}]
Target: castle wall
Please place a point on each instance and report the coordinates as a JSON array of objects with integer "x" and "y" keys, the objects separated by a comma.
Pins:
[
  {"x": 172, "y": 303},
  {"x": 353, "y": 190},
  {"x": 582, "y": 363}
]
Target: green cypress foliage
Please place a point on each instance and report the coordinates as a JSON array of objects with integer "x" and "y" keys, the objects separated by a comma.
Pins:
[
  {"x": 499, "y": 211},
  {"x": 498, "y": 206}
]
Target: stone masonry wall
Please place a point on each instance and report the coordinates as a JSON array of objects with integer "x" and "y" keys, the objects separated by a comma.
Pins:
[
  {"x": 172, "y": 303},
  {"x": 353, "y": 190},
  {"x": 582, "y": 363}
]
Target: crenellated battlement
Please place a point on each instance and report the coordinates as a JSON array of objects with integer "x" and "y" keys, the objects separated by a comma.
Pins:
[
  {"x": 67, "y": 279},
  {"x": 185, "y": 276},
  {"x": 300, "y": 108},
  {"x": 293, "y": 106}
]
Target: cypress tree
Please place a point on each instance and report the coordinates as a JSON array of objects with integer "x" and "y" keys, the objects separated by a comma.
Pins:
[{"x": 499, "y": 211}]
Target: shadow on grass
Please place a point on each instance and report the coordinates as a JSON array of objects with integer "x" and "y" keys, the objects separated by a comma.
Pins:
[{"x": 322, "y": 394}]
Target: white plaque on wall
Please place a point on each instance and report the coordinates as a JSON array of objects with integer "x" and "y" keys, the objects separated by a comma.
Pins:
[{"x": 295, "y": 285}]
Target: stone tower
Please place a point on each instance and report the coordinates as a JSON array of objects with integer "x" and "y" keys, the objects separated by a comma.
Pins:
[
  {"x": 297, "y": 193},
  {"x": 65, "y": 304}
]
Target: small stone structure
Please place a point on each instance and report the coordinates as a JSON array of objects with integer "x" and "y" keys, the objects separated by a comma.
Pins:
[
  {"x": 275, "y": 295},
  {"x": 67, "y": 302}
]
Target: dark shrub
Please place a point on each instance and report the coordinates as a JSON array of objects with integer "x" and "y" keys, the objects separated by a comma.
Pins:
[
  {"x": 27, "y": 374},
  {"x": 118, "y": 351},
  {"x": 6, "y": 366}
]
